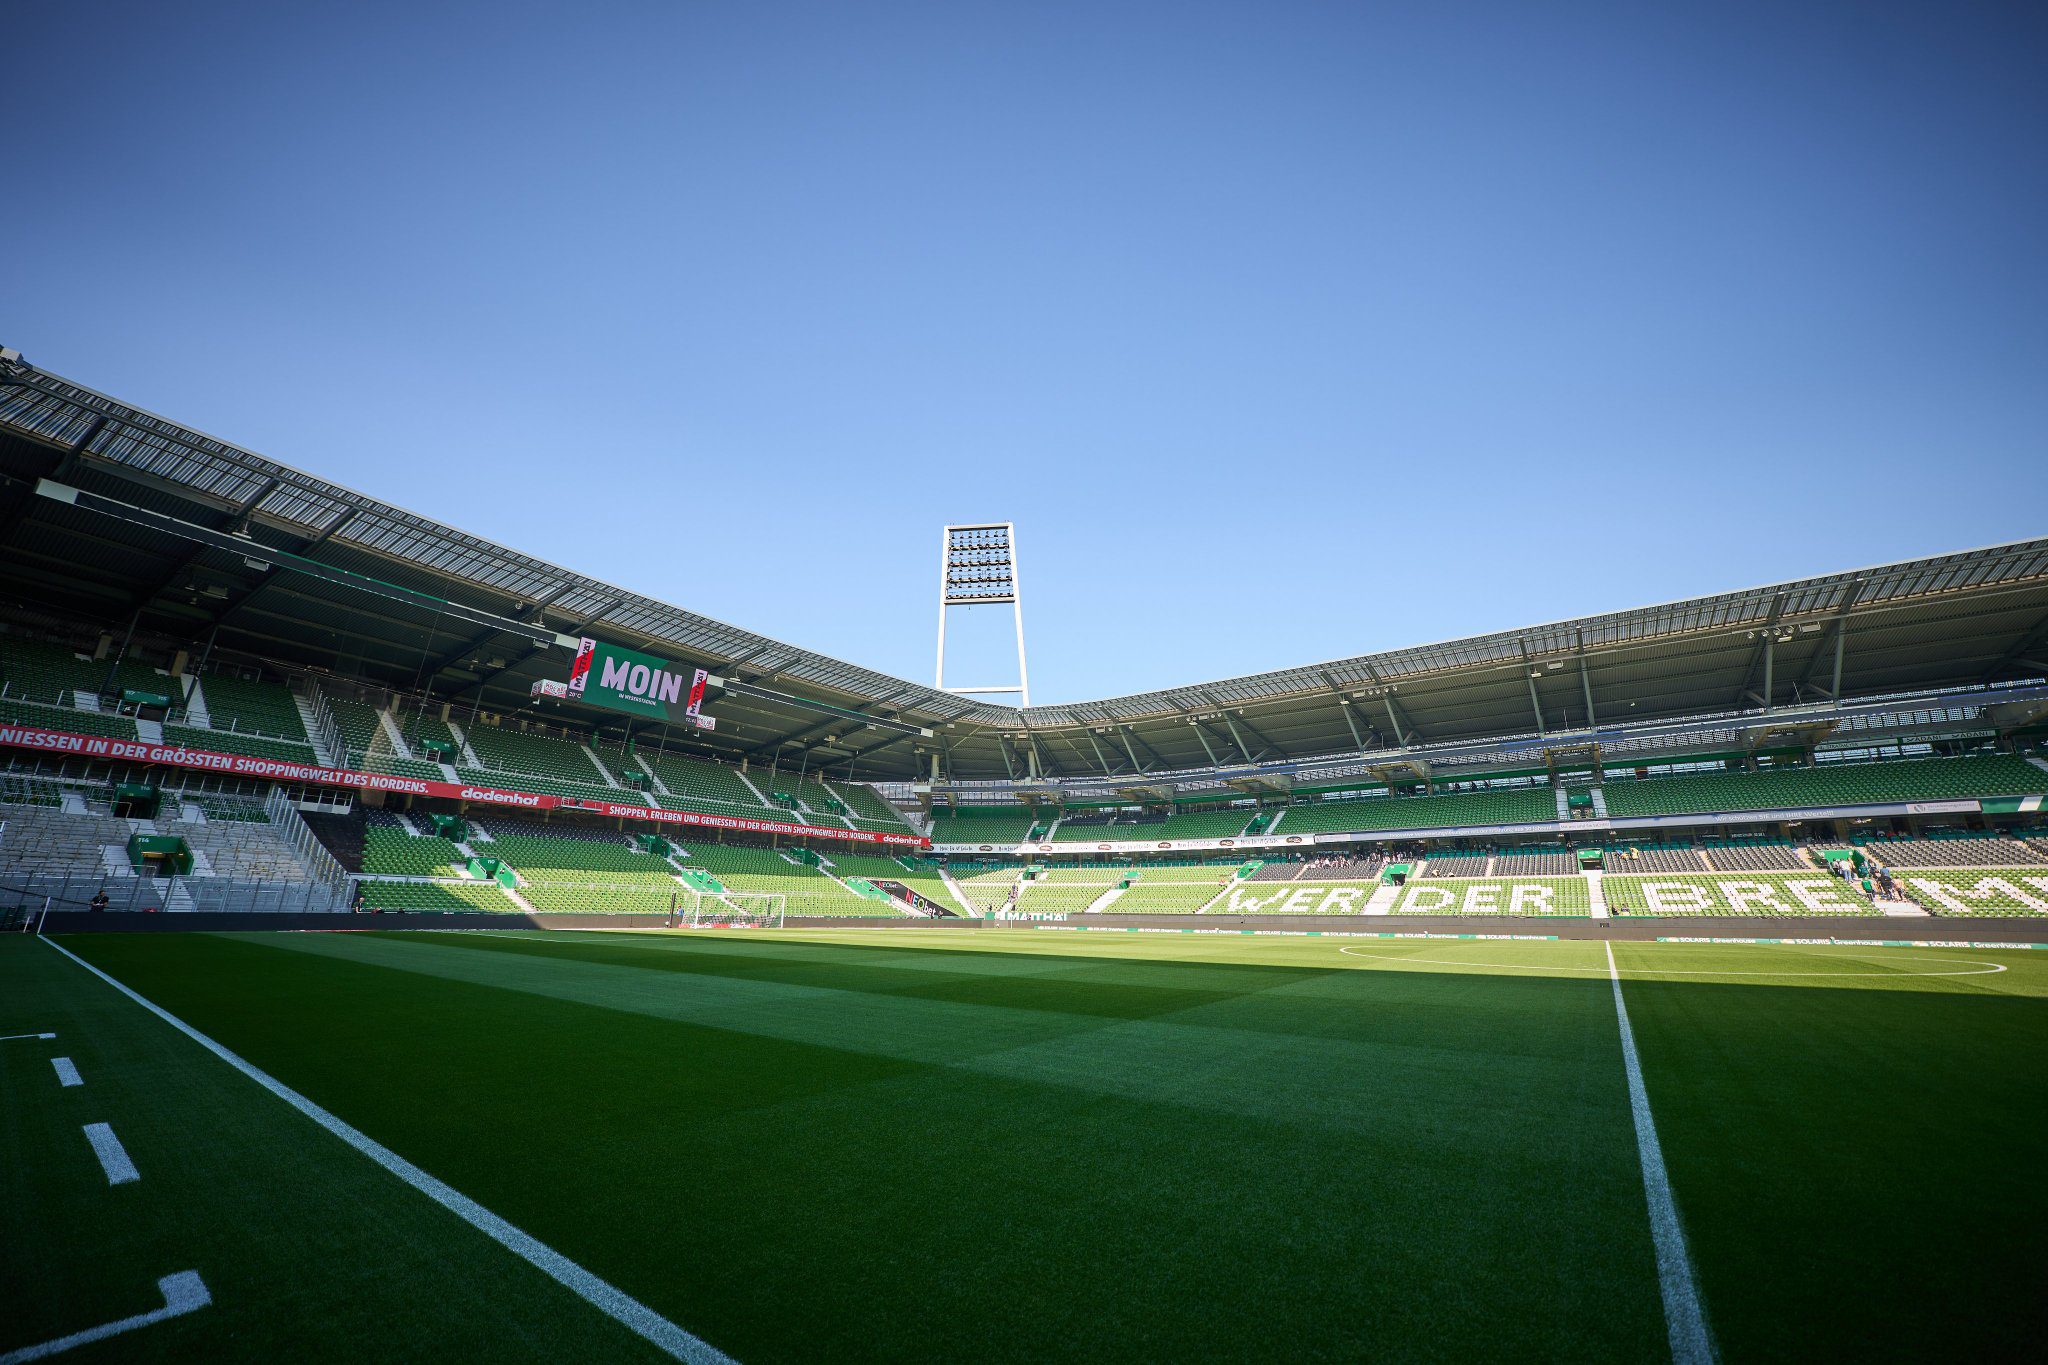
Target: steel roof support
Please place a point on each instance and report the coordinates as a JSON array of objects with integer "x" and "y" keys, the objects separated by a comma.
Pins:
[
  {"x": 1763, "y": 633},
  {"x": 1265, "y": 745},
  {"x": 1394, "y": 718},
  {"x": 1344, "y": 710}
]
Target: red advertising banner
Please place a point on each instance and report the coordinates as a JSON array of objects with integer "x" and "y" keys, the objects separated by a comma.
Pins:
[{"x": 275, "y": 770}]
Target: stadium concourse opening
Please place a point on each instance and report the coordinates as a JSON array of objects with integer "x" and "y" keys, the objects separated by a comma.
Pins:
[{"x": 1314, "y": 980}]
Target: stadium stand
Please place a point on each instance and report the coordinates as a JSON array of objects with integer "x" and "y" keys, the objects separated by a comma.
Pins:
[
  {"x": 1654, "y": 858},
  {"x": 1509, "y": 806},
  {"x": 560, "y": 853},
  {"x": 1068, "y": 891},
  {"x": 1148, "y": 897},
  {"x": 807, "y": 792},
  {"x": 1497, "y": 896},
  {"x": 228, "y": 809},
  {"x": 1096, "y": 827},
  {"x": 513, "y": 751},
  {"x": 1458, "y": 863},
  {"x": 740, "y": 867},
  {"x": 534, "y": 782},
  {"x": 389, "y": 851},
  {"x": 418, "y": 723},
  {"x": 702, "y": 785},
  {"x": 232, "y": 742},
  {"x": 1758, "y": 893},
  {"x": 1946, "y": 891},
  {"x": 915, "y": 874},
  {"x": 1843, "y": 784},
  {"x": 366, "y": 748},
  {"x": 252, "y": 706},
  {"x": 993, "y": 825},
  {"x": 1550, "y": 862},
  {"x": 449, "y": 896},
  {"x": 17, "y": 789},
  {"x": 69, "y": 718},
  {"x": 1754, "y": 855},
  {"x": 870, "y": 810},
  {"x": 1959, "y": 849},
  {"x": 361, "y": 731},
  {"x": 1307, "y": 897},
  {"x": 37, "y": 671},
  {"x": 343, "y": 835},
  {"x": 987, "y": 889}
]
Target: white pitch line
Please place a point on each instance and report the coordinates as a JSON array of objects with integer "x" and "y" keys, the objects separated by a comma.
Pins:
[
  {"x": 67, "y": 1073},
  {"x": 113, "y": 1156},
  {"x": 12, "y": 1036},
  {"x": 613, "y": 1302},
  {"x": 183, "y": 1293},
  {"x": 1684, "y": 1320}
]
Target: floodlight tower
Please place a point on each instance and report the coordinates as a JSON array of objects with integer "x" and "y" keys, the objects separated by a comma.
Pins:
[{"x": 978, "y": 568}]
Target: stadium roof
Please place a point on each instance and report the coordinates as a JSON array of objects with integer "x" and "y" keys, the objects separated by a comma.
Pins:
[{"x": 191, "y": 540}]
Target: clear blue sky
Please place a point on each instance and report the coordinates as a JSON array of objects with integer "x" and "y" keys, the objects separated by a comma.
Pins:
[{"x": 1283, "y": 331}]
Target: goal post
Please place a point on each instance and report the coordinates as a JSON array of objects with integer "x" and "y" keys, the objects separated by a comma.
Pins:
[{"x": 733, "y": 910}]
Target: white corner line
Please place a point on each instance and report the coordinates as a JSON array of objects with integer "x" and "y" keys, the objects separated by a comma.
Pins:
[
  {"x": 113, "y": 1156},
  {"x": 614, "y": 1303},
  {"x": 1684, "y": 1320},
  {"x": 183, "y": 1293},
  {"x": 67, "y": 1072}
]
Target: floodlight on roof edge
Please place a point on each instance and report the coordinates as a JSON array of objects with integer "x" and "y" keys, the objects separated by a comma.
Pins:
[{"x": 978, "y": 568}]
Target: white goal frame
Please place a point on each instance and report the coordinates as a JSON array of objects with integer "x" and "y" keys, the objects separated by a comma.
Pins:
[{"x": 733, "y": 910}]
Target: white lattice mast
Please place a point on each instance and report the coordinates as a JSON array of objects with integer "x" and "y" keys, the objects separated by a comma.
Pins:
[{"x": 978, "y": 568}]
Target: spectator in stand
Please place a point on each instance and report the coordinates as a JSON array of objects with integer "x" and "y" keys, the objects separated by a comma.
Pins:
[{"x": 99, "y": 901}]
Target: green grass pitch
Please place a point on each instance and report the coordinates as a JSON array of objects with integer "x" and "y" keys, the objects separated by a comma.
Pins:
[{"x": 1027, "y": 1145}]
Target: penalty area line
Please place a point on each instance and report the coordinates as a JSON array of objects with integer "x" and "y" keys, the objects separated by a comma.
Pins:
[
  {"x": 613, "y": 1302},
  {"x": 1684, "y": 1320},
  {"x": 183, "y": 1293}
]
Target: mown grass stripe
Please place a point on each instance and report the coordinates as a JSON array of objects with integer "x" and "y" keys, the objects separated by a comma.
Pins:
[{"x": 613, "y": 1302}]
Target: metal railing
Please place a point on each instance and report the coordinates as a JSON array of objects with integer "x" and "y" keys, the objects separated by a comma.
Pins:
[
  {"x": 74, "y": 889},
  {"x": 289, "y": 825}
]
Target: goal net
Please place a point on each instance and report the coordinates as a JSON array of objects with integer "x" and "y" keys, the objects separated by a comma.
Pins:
[{"x": 733, "y": 910}]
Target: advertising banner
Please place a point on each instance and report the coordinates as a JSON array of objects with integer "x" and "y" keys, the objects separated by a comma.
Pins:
[
  {"x": 638, "y": 684},
  {"x": 66, "y": 744}
]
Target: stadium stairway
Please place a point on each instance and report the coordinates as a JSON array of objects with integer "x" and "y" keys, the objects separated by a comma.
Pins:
[
  {"x": 195, "y": 703},
  {"x": 462, "y": 751},
  {"x": 1381, "y": 901},
  {"x": 395, "y": 735},
  {"x": 149, "y": 731},
  {"x": 316, "y": 733},
  {"x": 1103, "y": 902},
  {"x": 1596, "y": 895},
  {"x": 741, "y": 773},
  {"x": 598, "y": 763},
  {"x": 654, "y": 782},
  {"x": 959, "y": 896},
  {"x": 1564, "y": 805},
  {"x": 1599, "y": 803}
]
